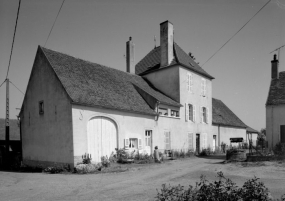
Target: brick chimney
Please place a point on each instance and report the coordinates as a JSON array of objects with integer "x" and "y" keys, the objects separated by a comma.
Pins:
[
  {"x": 274, "y": 68},
  {"x": 166, "y": 43},
  {"x": 130, "y": 56}
]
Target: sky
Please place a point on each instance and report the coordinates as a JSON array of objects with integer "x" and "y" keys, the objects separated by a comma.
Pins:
[{"x": 97, "y": 31}]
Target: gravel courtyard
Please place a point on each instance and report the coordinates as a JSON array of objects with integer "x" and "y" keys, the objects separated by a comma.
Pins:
[{"x": 138, "y": 183}]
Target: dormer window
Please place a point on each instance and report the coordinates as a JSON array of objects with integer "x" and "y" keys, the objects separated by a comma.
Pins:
[
  {"x": 163, "y": 111},
  {"x": 174, "y": 113}
]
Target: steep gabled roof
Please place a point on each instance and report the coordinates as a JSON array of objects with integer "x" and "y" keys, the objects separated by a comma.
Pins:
[
  {"x": 14, "y": 131},
  {"x": 276, "y": 95},
  {"x": 224, "y": 116},
  {"x": 92, "y": 84},
  {"x": 151, "y": 62}
]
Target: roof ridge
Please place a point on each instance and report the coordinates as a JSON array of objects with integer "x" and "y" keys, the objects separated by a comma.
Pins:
[{"x": 88, "y": 61}]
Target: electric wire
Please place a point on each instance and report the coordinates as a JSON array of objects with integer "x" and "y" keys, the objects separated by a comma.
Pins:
[
  {"x": 54, "y": 22},
  {"x": 3, "y": 83},
  {"x": 238, "y": 31},
  {"x": 13, "y": 39},
  {"x": 16, "y": 87}
]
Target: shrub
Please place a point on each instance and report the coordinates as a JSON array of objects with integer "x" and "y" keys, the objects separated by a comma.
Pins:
[
  {"x": 279, "y": 149},
  {"x": 105, "y": 161},
  {"x": 87, "y": 168},
  {"x": 222, "y": 190},
  {"x": 86, "y": 158},
  {"x": 204, "y": 152},
  {"x": 57, "y": 169},
  {"x": 223, "y": 147}
]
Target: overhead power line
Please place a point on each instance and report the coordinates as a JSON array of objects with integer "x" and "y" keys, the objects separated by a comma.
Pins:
[
  {"x": 237, "y": 32},
  {"x": 13, "y": 38},
  {"x": 3, "y": 82},
  {"x": 54, "y": 22},
  {"x": 16, "y": 87}
]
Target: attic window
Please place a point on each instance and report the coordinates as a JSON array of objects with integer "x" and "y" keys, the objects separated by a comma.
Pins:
[
  {"x": 174, "y": 113},
  {"x": 163, "y": 111},
  {"x": 41, "y": 107}
]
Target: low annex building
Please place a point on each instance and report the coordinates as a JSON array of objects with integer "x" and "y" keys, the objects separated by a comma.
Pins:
[{"x": 72, "y": 106}]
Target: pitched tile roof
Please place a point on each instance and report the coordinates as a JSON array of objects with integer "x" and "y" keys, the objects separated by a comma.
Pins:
[
  {"x": 14, "y": 129},
  {"x": 224, "y": 116},
  {"x": 276, "y": 95},
  {"x": 151, "y": 62},
  {"x": 251, "y": 130},
  {"x": 93, "y": 84}
]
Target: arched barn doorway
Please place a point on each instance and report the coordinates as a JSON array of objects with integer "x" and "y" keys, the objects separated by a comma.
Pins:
[{"x": 102, "y": 137}]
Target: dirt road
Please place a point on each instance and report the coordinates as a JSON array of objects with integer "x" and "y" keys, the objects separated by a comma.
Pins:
[{"x": 139, "y": 183}]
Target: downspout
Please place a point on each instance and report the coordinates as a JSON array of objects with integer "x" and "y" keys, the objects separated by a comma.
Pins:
[
  {"x": 156, "y": 110},
  {"x": 219, "y": 140},
  {"x": 272, "y": 120}
]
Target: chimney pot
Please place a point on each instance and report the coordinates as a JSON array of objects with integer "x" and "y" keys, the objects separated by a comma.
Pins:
[
  {"x": 130, "y": 56},
  {"x": 274, "y": 68},
  {"x": 166, "y": 43}
]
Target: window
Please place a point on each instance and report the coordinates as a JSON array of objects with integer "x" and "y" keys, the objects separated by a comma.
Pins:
[
  {"x": 190, "y": 140},
  {"x": 167, "y": 140},
  {"x": 282, "y": 133},
  {"x": 133, "y": 143},
  {"x": 41, "y": 107},
  {"x": 148, "y": 138},
  {"x": 203, "y": 87},
  {"x": 204, "y": 115},
  {"x": 189, "y": 82},
  {"x": 192, "y": 112},
  {"x": 163, "y": 111},
  {"x": 204, "y": 140},
  {"x": 174, "y": 113}
]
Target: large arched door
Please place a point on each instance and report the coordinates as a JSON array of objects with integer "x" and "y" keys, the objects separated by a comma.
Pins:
[{"x": 102, "y": 137}]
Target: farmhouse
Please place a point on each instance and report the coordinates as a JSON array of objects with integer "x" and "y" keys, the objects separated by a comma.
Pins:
[
  {"x": 275, "y": 106},
  {"x": 72, "y": 106}
]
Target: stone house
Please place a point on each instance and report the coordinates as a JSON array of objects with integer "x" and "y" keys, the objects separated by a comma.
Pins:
[
  {"x": 275, "y": 106},
  {"x": 72, "y": 106}
]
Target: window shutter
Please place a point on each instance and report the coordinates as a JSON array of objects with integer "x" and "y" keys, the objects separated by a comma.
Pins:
[
  {"x": 127, "y": 142},
  {"x": 191, "y": 82},
  {"x": 186, "y": 112},
  {"x": 188, "y": 82},
  {"x": 207, "y": 115},
  {"x": 190, "y": 140},
  {"x": 140, "y": 143},
  {"x": 201, "y": 114},
  {"x": 194, "y": 113},
  {"x": 205, "y": 140},
  {"x": 204, "y": 88}
]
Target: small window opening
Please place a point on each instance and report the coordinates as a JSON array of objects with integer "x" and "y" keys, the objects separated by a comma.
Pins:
[{"x": 41, "y": 107}]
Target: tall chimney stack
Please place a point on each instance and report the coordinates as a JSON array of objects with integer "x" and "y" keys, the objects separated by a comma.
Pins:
[
  {"x": 274, "y": 68},
  {"x": 166, "y": 43},
  {"x": 130, "y": 56}
]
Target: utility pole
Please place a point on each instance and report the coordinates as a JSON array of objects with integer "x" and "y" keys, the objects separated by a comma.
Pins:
[{"x": 7, "y": 125}]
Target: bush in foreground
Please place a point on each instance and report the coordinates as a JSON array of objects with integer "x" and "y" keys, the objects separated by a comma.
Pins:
[{"x": 222, "y": 190}]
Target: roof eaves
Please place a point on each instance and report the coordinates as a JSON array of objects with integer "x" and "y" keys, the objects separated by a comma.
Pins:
[
  {"x": 130, "y": 111},
  {"x": 188, "y": 67},
  {"x": 229, "y": 125}
]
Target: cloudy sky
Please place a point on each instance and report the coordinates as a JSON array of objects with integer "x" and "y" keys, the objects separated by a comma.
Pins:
[{"x": 97, "y": 30}]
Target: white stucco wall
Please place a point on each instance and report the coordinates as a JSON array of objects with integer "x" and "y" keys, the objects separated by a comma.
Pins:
[
  {"x": 129, "y": 125},
  {"x": 275, "y": 116},
  {"x": 224, "y": 133},
  {"x": 46, "y": 138},
  {"x": 195, "y": 98}
]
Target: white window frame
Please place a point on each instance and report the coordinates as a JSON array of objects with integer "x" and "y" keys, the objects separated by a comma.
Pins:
[
  {"x": 190, "y": 82},
  {"x": 190, "y": 140},
  {"x": 204, "y": 140},
  {"x": 162, "y": 108},
  {"x": 203, "y": 87},
  {"x": 204, "y": 118},
  {"x": 167, "y": 145}
]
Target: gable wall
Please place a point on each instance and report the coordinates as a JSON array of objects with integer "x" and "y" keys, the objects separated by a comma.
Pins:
[
  {"x": 167, "y": 81},
  {"x": 275, "y": 116},
  {"x": 47, "y": 137}
]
